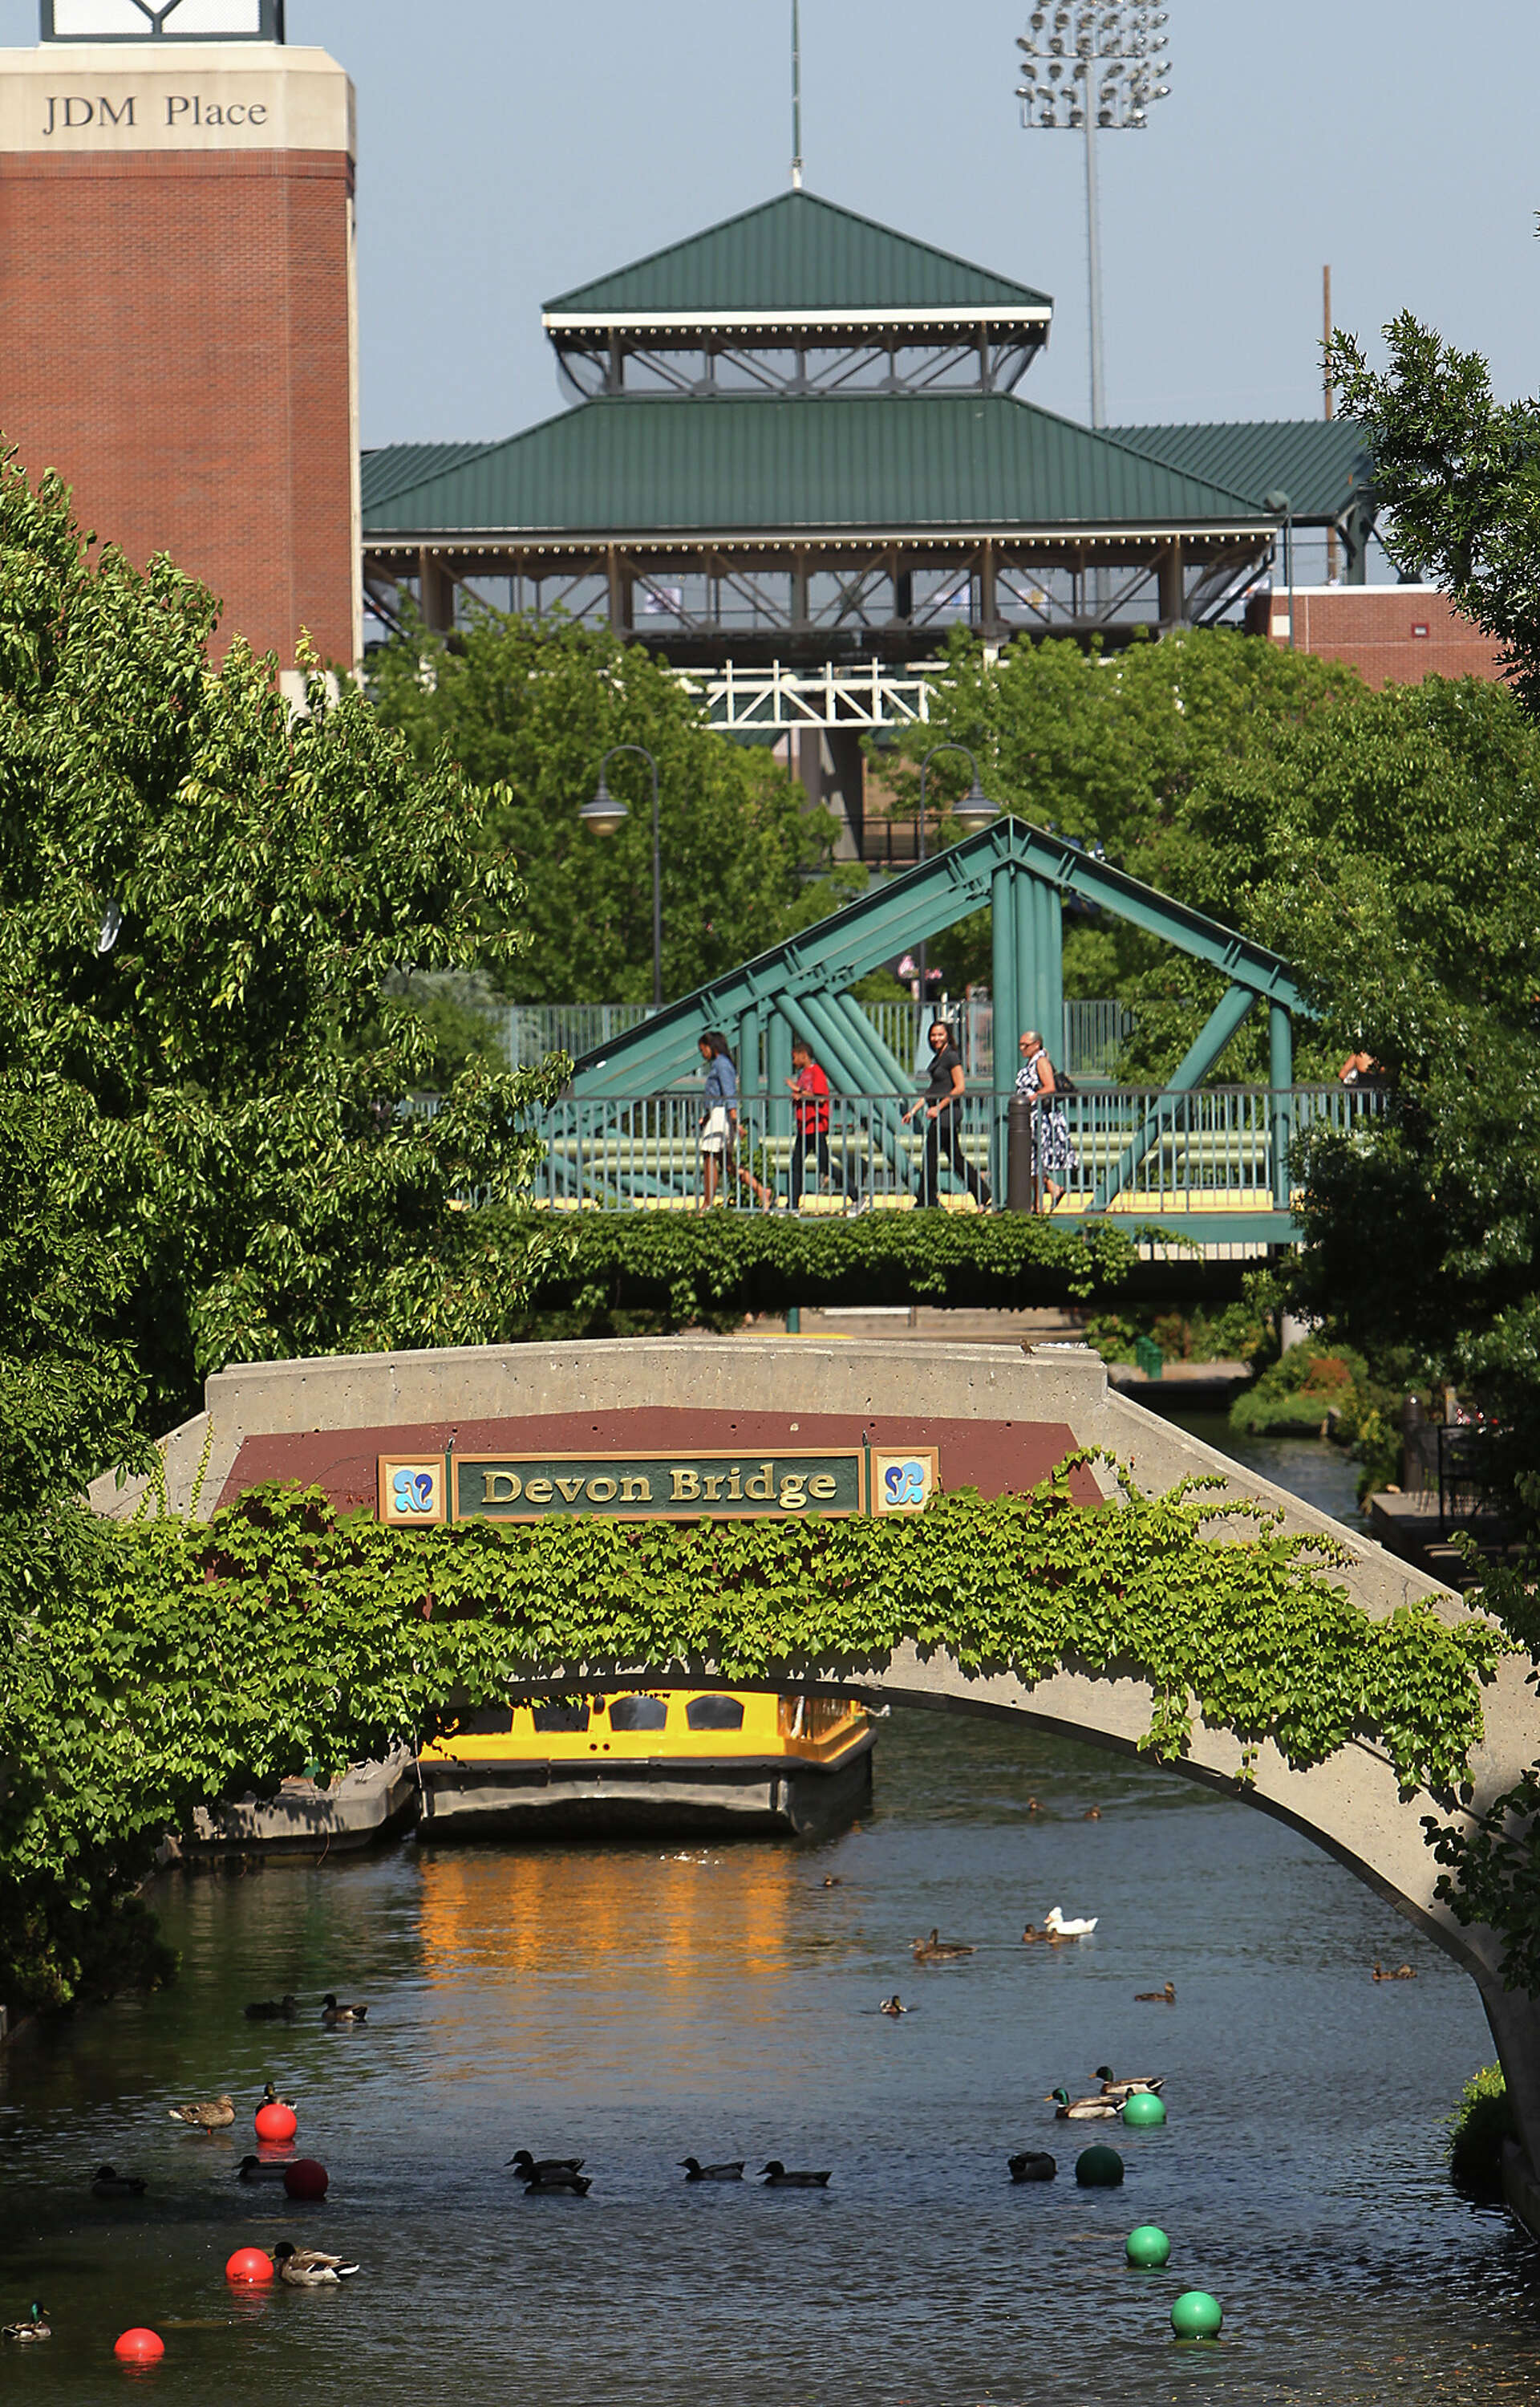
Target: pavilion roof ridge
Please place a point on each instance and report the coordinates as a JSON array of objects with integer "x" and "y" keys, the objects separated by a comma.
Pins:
[{"x": 796, "y": 251}]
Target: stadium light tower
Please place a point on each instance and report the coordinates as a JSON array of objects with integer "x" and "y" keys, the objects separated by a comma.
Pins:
[{"x": 1100, "y": 64}]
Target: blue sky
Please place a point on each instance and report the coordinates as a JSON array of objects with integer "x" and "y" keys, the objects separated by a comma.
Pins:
[{"x": 509, "y": 151}]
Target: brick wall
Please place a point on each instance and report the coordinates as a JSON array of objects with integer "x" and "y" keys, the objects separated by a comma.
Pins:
[
  {"x": 1392, "y": 634},
  {"x": 176, "y": 339}
]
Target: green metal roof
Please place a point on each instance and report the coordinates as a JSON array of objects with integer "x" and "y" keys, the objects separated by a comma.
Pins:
[
  {"x": 1319, "y": 463},
  {"x": 641, "y": 466},
  {"x": 395, "y": 465},
  {"x": 794, "y": 253}
]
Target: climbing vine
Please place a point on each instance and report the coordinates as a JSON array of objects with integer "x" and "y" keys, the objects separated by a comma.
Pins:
[
  {"x": 181, "y": 1661},
  {"x": 682, "y": 1269}
]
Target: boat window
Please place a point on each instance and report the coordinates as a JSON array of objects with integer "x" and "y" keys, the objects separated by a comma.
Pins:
[
  {"x": 714, "y": 1713},
  {"x": 558, "y": 1714},
  {"x": 485, "y": 1721},
  {"x": 638, "y": 1712}
]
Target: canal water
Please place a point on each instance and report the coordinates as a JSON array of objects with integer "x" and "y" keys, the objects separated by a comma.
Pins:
[{"x": 633, "y": 2004}]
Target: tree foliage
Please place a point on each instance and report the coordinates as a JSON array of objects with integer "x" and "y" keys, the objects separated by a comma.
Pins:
[
  {"x": 203, "y": 904},
  {"x": 531, "y": 710}
]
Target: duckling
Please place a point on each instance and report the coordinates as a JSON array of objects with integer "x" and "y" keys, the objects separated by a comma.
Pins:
[
  {"x": 1167, "y": 1996},
  {"x": 1112, "y": 2088},
  {"x": 1032, "y": 1934},
  {"x": 1053, "y": 1920},
  {"x": 1081, "y": 2110},
  {"x": 892, "y": 2007},
  {"x": 107, "y": 2182},
  {"x": 538, "y": 2169},
  {"x": 1032, "y": 1806},
  {"x": 695, "y": 2170},
  {"x": 271, "y": 2097},
  {"x": 1401, "y": 1973},
  {"x": 252, "y": 2169},
  {"x": 936, "y": 1950},
  {"x": 206, "y": 2114},
  {"x": 1033, "y": 2164},
  {"x": 831, "y": 1880},
  {"x": 1092, "y": 1813},
  {"x": 566, "y": 2183},
  {"x": 34, "y": 2327},
  {"x": 777, "y": 2177},
  {"x": 309, "y": 2268},
  {"x": 332, "y": 2014},
  {"x": 272, "y": 2010}
]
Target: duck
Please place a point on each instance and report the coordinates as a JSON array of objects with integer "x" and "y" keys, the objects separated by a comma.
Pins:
[
  {"x": 1053, "y": 1920},
  {"x": 892, "y": 2007},
  {"x": 1092, "y": 1813},
  {"x": 273, "y": 2010},
  {"x": 1032, "y": 1806},
  {"x": 1112, "y": 2088},
  {"x": 544, "y": 2167},
  {"x": 564, "y": 2182},
  {"x": 253, "y": 2168},
  {"x": 831, "y": 1880},
  {"x": 695, "y": 2170},
  {"x": 936, "y": 1950},
  {"x": 34, "y": 2327},
  {"x": 1401, "y": 1973},
  {"x": 777, "y": 2177},
  {"x": 206, "y": 2114},
  {"x": 332, "y": 2014},
  {"x": 1081, "y": 2110},
  {"x": 107, "y": 2182},
  {"x": 1033, "y": 2164},
  {"x": 1053, "y": 1938},
  {"x": 309, "y": 2268},
  {"x": 271, "y": 2097},
  {"x": 1167, "y": 1996}
]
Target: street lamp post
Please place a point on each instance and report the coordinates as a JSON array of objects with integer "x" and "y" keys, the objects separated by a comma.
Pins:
[
  {"x": 605, "y": 815},
  {"x": 975, "y": 810},
  {"x": 1094, "y": 65},
  {"x": 1285, "y": 507}
]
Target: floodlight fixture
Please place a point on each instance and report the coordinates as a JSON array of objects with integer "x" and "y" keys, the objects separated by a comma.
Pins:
[{"x": 1097, "y": 67}]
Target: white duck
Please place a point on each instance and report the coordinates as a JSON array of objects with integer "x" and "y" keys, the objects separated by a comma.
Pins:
[{"x": 1053, "y": 1920}]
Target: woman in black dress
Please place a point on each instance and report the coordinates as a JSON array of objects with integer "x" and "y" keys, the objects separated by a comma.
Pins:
[{"x": 941, "y": 1106}]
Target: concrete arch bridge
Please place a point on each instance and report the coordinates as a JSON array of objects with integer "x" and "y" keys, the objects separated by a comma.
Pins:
[{"x": 1000, "y": 1418}]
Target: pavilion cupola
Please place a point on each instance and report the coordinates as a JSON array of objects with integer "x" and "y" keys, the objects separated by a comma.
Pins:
[{"x": 797, "y": 296}]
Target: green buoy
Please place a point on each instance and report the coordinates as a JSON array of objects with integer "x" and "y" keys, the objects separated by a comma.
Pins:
[
  {"x": 1143, "y": 2111},
  {"x": 1099, "y": 2167},
  {"x": 1196, "y": 2315},
  {"x": 1148, "y": 2245}
]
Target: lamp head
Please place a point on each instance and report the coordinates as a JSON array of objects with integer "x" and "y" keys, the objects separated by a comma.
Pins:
[
  {"x": 975, "y": 810},
  {"x": 603, "y": 815},
  {"x": 1277, "y": 501}
]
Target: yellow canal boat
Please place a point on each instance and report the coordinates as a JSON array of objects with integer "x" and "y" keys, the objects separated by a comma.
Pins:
[{"x": 666, "y": 1759}]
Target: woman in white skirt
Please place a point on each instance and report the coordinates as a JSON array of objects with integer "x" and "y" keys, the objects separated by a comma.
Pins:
[{"x": 1052, "y": 1151}]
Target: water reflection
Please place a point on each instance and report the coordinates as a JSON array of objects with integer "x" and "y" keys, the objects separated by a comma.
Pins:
[{"x": 631, "y": 2004}]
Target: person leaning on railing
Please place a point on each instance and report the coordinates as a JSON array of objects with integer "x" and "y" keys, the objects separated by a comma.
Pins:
[
  {"x": 1052, "y": 1151},
  {"x": 941, "y": 1105}
]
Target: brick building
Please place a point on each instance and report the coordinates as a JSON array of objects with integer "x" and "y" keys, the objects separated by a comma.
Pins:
[
  {"x": 1393, "y": 635},
  {"x": 178, "y": 324}
]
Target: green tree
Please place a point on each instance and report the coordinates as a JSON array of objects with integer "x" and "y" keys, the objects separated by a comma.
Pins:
[
  {"x": 531, "y": 710},
  {"x": 202, "y": 903}
]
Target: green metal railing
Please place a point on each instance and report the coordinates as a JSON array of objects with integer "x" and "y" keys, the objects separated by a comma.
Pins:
[{"x": 1140, "y": 1150}]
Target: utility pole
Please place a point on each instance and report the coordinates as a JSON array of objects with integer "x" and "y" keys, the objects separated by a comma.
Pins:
[
  {"x": 796, "y": 97},
  {"x": 1329, "y": 397}
]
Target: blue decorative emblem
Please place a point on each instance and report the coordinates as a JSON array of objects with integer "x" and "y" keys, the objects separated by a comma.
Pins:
[
  {"x": 905, "y": 1483},
  {"x": 413, "y": 1490}
]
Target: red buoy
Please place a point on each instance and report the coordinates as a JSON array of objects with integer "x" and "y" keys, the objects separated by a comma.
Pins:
[
  {"x": 277, "y": 2121},
  {"x": 140, "y": 2346},
  {"x": 249, "y": 2265},
  {"x": 305, "y": 2178}
]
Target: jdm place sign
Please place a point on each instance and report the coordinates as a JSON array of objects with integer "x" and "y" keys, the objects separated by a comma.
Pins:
[{"x": 423, "y": 1491}]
